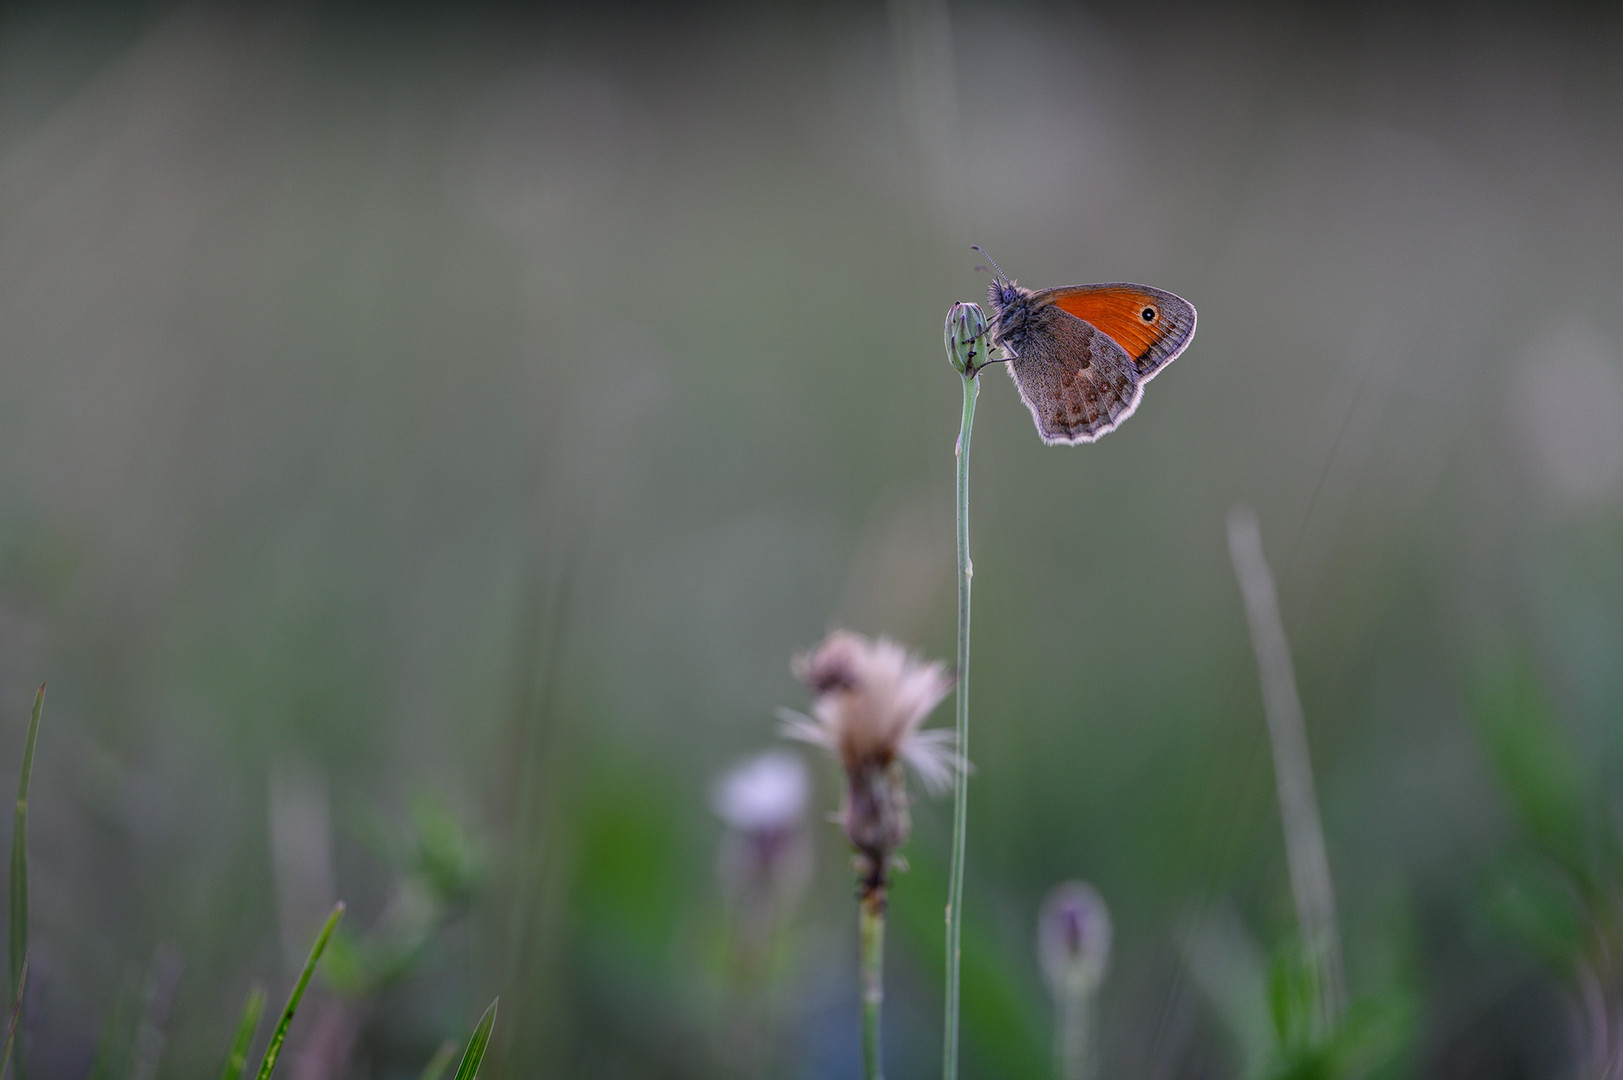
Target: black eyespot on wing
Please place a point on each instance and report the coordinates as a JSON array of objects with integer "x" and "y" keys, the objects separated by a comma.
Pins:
[{"x": 1148, "y": 314}]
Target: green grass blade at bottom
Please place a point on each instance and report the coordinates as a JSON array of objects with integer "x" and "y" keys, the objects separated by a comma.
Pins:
[
  {"x": 19, "y": 869},
  {"x": 236, "y": 1062},
  {"x": 274, "y": 1048},
  {"x": 16, "y": 1014},
  {"x": 114, "y": 1041},
  {"x": 19, "y": 850},
  {"x": 477, "y": 1042}
]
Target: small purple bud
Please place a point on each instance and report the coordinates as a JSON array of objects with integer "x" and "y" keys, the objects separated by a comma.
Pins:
[{"x": 1073, "y": 938}]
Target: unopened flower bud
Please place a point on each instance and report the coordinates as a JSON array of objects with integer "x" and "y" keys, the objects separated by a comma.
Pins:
[
  {"x": 1073, "y": 938},
  {"x": 966, "y": 339},
  {"x": 764, "y": 858}
]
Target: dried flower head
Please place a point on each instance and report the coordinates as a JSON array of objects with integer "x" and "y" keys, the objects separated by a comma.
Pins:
[
  {"x": 1073, "y": 938},
  {"x": 870, "y": 700}
]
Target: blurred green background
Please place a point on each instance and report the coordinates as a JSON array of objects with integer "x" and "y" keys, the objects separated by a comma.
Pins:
[{"x": 426, "y": 437}]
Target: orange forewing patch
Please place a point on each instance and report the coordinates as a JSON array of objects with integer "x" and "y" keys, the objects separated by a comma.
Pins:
[{"x": 1119, "y": 312}]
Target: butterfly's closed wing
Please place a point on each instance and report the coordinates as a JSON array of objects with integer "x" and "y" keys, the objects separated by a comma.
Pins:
[
  {"x": 1081, "y": 354},
  {"x": 1151, "y": 325},
  {"x": 1078, "y": 383}
]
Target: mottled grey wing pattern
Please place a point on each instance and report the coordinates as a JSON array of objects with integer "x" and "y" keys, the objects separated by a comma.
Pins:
[{"x": 1078, "y": 383}]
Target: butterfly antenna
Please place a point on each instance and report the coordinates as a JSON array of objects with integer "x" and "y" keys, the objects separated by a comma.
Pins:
[{"x": 988, "y": 258}]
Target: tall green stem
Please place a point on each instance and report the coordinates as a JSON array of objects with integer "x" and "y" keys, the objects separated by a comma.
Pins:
[
  {"x": 872, "y": 934},
  {"x": 960, "y": 786}
]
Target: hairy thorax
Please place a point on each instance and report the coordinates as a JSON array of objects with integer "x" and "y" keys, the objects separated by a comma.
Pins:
[{"x": 1011, "y": 307}]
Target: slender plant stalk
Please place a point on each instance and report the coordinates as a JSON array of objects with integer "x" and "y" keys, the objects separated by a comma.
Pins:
[
  {"x": 1293, "y": 770},
  {"x": 19, "y": 876},
  {"x": 960, "y": 784},
  {"x": 1073, "y": 1036},
  {"x": 274, "y": 1048},
  {"x": 236, "y": 1062},
  {"x": 478, "y": 1042},
  {"x": 872, "y": 935}
]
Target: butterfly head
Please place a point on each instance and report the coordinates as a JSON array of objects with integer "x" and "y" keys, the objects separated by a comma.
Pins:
[{"x": 1004, "y": 293}]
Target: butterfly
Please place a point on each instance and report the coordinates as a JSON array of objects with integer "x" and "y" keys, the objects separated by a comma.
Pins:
[{"x": 1081, "y": 354}]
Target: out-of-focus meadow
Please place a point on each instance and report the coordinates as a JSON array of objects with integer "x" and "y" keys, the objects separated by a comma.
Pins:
[{"x": 426, "y": 438}]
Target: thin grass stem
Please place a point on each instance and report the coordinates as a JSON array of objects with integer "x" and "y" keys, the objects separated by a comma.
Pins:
[
  {"x": 16, "y": 1014},
  {"x": 274, "y": 1048},
  {"x": 872, "y": 936},
  {"x": 960, "y": 783},
  {"x": 1293, "y": 769}
]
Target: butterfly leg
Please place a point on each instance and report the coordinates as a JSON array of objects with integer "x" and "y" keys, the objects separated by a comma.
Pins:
[{"x": 980, "y": 355}]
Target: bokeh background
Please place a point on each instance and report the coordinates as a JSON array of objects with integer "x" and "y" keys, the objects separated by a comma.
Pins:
[{"x": 426, "y": 436}]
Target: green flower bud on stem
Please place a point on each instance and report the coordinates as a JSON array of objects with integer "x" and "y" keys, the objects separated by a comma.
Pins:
[{"x": 966, "y": 340}]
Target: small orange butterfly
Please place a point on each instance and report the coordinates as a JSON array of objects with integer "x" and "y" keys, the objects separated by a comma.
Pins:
[{"x": 1081, "y": 354}]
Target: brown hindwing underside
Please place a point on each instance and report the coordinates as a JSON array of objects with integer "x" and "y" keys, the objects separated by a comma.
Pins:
[{"x": 1076, "y": 381}]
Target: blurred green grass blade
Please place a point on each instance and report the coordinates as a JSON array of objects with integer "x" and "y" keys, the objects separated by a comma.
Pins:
[
  {"x": 437, "y": 1064},
  {"x": 1534, "y": 757},
  {"x": 113, "y": 1044},
  {"x": 19, "y": 855},
  {"x": 274, "y": 1048},
  {"x": 19, "y": 877},
  {"x": 475, "y": 1053},
  {"x": 16, "y": 1014},
  {"x": 236, "y": 1063}
]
